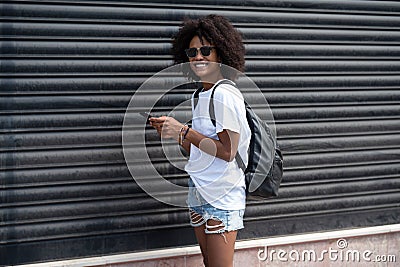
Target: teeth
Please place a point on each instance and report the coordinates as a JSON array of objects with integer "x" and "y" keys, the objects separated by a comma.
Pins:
[{"x": 200, "y": 65}]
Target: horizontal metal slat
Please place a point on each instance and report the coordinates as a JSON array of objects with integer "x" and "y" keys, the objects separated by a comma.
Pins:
[
  {"x": 71, "y": 84},
  {"x": 317, "y": 67},
  {"x": 302, "y": 83},
  {"x": 113, "y": 101},
  {"x": 60, "y": 103},
  {"x": 177, "y": 14},
  {"x": 355, "y": 143},
  {"x": 339, "y": 173},
  {"x": 295, "y": 129},
  {"x": 129, "y": 84},
  {"x": 110, "y": 66},
  {"x": 46, "y": 140},
  {"x": 82, "y": 48},
  {"x": 81, "y": 66},
  {"x": 67, "y": 193},
  {"x": 330, "y": 188},
  {"x": 326, "y": 51},
  {"x": 329, "y": 97},
  {"x": 64, "y": 156},
  {"x": 336, "y": 112},
  {"x": 350, "y": 6},
  {"x": 336, "y": 36},
  {"x": 137, "y": 30},
  {"x": 56, "y": 122},
  {"x": 104, "y": 138},
  {"x": 63, "y": 176},
  {"x": 342, "y": 158}
]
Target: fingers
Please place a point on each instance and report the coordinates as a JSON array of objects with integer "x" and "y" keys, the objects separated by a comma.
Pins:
[
  {"x": 167, "y": 127},
  {"x": 157, "y": 121},
  {"x": 156, "y": 124}
]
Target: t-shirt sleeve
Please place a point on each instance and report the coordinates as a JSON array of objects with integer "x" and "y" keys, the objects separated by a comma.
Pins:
[{"x": 229, "y": 108}]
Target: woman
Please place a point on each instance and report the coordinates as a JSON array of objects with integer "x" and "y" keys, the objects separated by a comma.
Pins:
[{"x": 216, "y": 186}]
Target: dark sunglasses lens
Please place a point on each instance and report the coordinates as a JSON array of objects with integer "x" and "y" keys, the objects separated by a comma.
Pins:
[
  {"x": 191, "y": 52},
  {"x": 205, "y": 51}
]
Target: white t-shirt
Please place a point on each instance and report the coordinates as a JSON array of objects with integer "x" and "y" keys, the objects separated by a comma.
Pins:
[{"x": 220, "y": 183}]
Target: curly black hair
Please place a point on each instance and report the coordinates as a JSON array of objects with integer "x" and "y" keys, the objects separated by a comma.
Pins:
[{"x": 219, "y": 32}]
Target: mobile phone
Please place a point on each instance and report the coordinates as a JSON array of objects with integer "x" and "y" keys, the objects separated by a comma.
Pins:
[{"x": 147, "y": 115}]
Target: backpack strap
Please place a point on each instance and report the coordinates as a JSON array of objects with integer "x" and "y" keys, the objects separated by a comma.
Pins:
[
  {"x": 196, "y": 96},
  {"x": 240, "y": 162},
  {"x": 211, "y": 111},
  {"x": 211, "y": 106}
]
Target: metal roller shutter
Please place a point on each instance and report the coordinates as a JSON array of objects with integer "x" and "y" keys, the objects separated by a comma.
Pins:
[{"x": 330, "y": 70}]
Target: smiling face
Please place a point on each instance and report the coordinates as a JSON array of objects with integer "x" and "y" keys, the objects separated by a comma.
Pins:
[{"x": 205, "y": 67}]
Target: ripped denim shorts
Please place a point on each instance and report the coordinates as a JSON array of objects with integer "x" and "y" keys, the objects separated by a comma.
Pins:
[{"x": 201, "y": 212}]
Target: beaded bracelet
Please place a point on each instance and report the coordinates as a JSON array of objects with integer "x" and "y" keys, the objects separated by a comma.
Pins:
[{"x": 182, "y": 134}]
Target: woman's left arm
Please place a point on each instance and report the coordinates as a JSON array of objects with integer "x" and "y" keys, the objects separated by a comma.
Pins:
[{"x": 225, "y": 148}]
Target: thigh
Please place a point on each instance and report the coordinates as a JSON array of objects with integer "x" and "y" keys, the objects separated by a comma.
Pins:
[
  {"x": 200, "y": 235},
  {"x": 201, "y": 239},
  {"x": 221, "y": 253},
  {"x": 220, "y": 247}
]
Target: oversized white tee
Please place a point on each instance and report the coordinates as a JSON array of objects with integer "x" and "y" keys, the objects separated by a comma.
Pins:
[{"x": 219, "y": 182}]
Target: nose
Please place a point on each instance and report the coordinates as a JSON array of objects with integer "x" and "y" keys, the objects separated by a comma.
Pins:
[{"x": 199, "y": 56}]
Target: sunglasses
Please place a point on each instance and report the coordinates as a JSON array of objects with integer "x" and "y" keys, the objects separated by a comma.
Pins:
[{"x": 204, "y": 50}]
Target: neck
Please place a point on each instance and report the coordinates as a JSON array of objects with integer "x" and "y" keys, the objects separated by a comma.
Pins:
[{"x": 208, "y": 85}]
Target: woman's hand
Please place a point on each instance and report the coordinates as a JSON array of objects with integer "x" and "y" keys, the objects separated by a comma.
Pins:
[{"x": 167, "y": 127}]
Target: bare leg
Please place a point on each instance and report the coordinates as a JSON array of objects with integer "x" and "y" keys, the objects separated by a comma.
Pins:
[
  {"x": 201, "y": 237},
  {"x": 220, "y": 247}
]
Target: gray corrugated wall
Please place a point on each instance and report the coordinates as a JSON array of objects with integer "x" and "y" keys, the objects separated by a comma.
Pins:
[{"x": 330, "y": 70}]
